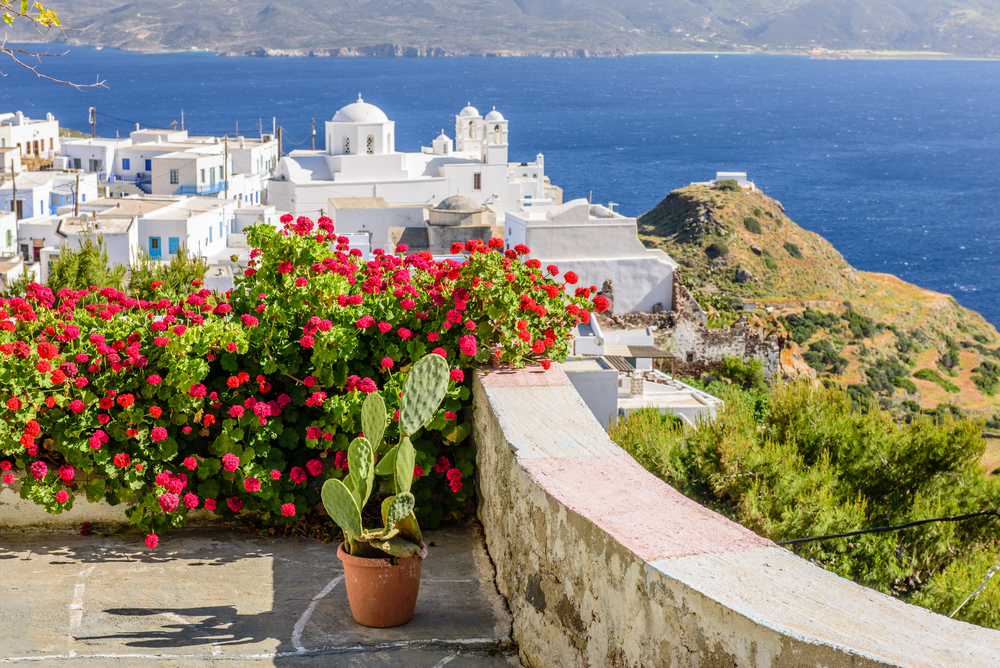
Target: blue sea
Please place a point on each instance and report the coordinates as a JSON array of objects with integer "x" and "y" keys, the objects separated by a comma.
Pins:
[{"x": 897, "y": 163}]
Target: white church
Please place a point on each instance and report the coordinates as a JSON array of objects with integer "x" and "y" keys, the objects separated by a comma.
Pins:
[{"x": 361, "y": 162}]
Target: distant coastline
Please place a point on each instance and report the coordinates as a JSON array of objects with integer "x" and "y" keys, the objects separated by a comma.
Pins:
[{"x": 389, "y": 50}]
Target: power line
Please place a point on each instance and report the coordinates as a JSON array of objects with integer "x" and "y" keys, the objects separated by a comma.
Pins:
[
  {"x": 957, "y": 518},
  {"x": 978, "y": 590}
]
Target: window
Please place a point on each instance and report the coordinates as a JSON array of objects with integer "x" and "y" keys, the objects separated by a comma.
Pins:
[
  {"x": 371, "y": 145},
  {"x": 497, "y": 135},
  {"x": 477, "y": 181},
  {"x": 126, "y": 164},
  {"x": 36, "y": 146},
  {"x": 173, "y": 243},
  {"x": 77, "y": 164},
  {"x": 232, "y": 226},
  {"x": 220, "y": 229},
  {"x": 209, "y": 235},
  {"x": 347, "y": 145},
  {"x": 203, "y": 176},
  {"x": 52, "y": 143},
  {"x": 83, "y": 197},
  {"x": 472, "y": 129},
  {"x": 149, "y": 165},
  {"x": 10, "y": 237},
  {"x": 175, "y": 176},
  {"x": 211, "y": 175}
]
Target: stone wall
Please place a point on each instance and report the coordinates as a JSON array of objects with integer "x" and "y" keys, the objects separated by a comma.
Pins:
[
  {"x": 693, "y": 342},
  {"x": 603, "y": 564}
]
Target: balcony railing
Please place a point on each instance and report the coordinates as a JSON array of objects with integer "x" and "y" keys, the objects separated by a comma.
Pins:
[{"x": 210, "y": 189}]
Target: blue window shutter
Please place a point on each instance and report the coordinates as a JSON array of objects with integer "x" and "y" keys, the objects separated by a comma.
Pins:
[
  {"x": 149, "y": 165},
  {"x": 174, "y": 243},
  {"x": 125, "y": 163},
  {"x": 83, "y": 197}
]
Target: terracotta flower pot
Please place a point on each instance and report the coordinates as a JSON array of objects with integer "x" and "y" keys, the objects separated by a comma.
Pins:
[{"x": 381, "y": 594}]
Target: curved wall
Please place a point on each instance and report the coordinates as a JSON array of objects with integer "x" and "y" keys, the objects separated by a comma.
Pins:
[{"x": 603, "y": 564}]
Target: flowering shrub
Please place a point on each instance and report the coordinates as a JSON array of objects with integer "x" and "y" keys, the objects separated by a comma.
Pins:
[{"x": 233, "y": 402}]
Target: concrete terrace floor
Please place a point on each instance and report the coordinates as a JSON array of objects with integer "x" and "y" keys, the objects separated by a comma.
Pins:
[{"x": 222, "y": 598}]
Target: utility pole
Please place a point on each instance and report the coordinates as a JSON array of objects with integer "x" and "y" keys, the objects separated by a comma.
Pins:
[
  {"x": 174, "y": 123},
  {"x": 280, "y": 152},
  {"x": 93, "y": 122},
  {"x": 13, "y": 183},
  {"x": 261, "y": 118},
  {"x": 314, "y": 134},
  {"x": 237, "y": 129},
  {"x": 76, "y": 197},
  {"x": 225, "y": 167},
  {"x": 182, "y": 120}
]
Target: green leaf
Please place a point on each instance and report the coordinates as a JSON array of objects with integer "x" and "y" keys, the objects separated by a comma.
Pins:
[
  {"x": 403, "y": 466},
  {"x": 458, "y": 433},
  {"x": 373, "y": 419},
  {"x": 95, "y": 490}
]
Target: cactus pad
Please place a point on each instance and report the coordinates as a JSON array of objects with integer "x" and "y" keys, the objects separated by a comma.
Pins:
[
  {"x": 361, "y": 463},
  {"x": 386, "y": 465},
  {"x": 400, "y": 506},
  {"x": 398, "y": 547},
  {"x": 405, "y": 460},
  {"x": 340, "y": 505},
  {"x": 373, "y": 419},
  {"x": 423, "y": 391}
]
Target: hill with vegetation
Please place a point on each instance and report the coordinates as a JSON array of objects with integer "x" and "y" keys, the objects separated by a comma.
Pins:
[
  {"x": 844, "y": 28},
  {"x": 911, "y": 349}
]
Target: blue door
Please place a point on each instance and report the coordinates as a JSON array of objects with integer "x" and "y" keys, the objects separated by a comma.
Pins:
[
  {"x": 154, "y": 248},
  {"x": 172, "y": 244}
]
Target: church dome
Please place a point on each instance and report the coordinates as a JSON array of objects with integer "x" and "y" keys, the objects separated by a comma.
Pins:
[
  {"x": 494, "y": 115},
  {"x": 360, "y": 112},
  {"x": 469, "y": 111},
  {"x": 458, "y": 203}
]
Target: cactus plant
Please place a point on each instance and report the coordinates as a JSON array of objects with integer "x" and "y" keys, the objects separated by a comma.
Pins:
[{"x": 400, "y": 537}]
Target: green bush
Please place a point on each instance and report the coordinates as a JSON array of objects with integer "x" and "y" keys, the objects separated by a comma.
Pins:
[
  {"x": 747, "y": 374},
  {"x": 716, "y": 250},
  {"x": 803, "y": 325},
  {"x": 812, "y": 465},
  {"x": 862, "y": 327},
  {"x": 905, "y": 383},
  {"x": 987, "y": 377},
  {"x": 752, "y": 224},
  {"x": 793, "y": 250},
  {"x": 234, "y": 400},
  {"x": 946, "y": 591},
  {"x": 729, "y": 185},
  {"x": 770, "y": 264},
  {"x": 935, "y": 377}
]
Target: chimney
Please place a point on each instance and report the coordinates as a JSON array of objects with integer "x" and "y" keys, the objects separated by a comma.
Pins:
[{"x": 635, "y": 383}]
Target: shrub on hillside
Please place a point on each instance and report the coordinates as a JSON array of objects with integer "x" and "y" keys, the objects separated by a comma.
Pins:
[
  {"x": 752, "y": 225},
  {"x": 716, "y": 249},
  {"x": 811, "y": 465},
  {"x": 935, "y": 377},
  {"x": 793, "y": 250},
  {"x": 230, "y": 402},
  {"x": 730, "y": 185}
]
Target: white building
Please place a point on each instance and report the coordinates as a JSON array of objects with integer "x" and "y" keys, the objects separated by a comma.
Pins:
[
  {"x": 169, "y": 162},
  {"x": 10, "y": 161},
  {"x": 165, "y": 224},
  {"x": 597, "y": 244},
  {"x": 32, "y": 137},
  {"x": 361, "y": 161},
  {"x": 42, "y": 193}
]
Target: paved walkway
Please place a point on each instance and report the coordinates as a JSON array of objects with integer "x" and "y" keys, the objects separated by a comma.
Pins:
[{"x": 232, "y": 599}]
